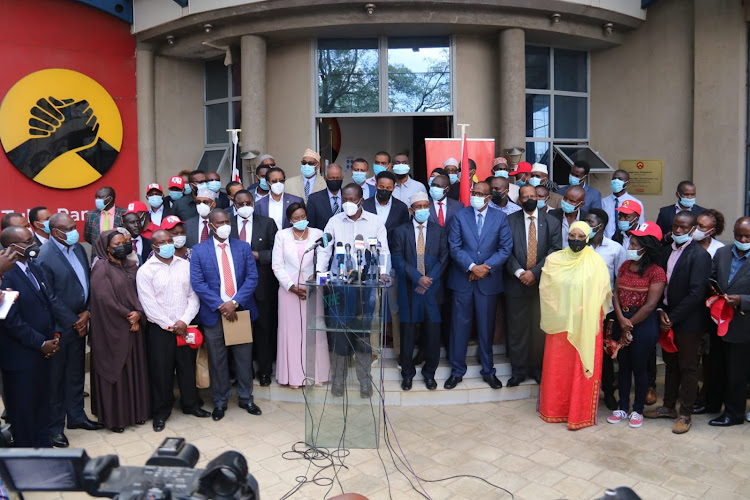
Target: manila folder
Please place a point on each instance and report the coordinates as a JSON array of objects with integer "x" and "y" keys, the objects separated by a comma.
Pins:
[{"x": 240, "y": 331}]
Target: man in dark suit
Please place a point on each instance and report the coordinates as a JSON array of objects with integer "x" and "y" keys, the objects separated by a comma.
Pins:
[
  {"x": 38, "y": 218},
  {"x": 274, "y": 205},
  {"x": 232, "y": 188},
  {"x": 260, "y": 233},
  {"x": 186, "y": 207},
  {"x": 213, "y": 183},
  {"x": 420, "y": 256},
  {"x": 196, "y": 228},
  {"x": 27, "y": 341},
  {"x": 360, "y": 168},
  {"x": 685, "y": 201},
  {"x": 157, "y": 208},
  {"x": 730, "y": 270},
  {"x": 259, "y": 188},
  {"x": 536, "y": 234},
  {"x": 579, "y": 176},
  {"x": 106, "y": 216},
  {"x": 480, "y": 242},
  {"x": 683, "y": 311},
  {"x": 441, "y": 202},
  {"x": 66, "y": 268},
  {"x": 141, "y": 246},
  {"x": 322, "y": 205},
  {"x": 224, "y": 276},
  {"x": 391, "y": 211},
  {"x": 570, "y": 210}
]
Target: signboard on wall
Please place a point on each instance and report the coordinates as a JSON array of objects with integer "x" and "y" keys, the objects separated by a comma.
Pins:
[
  {"x": 482, "y": 151},
  {"x": 645, "y": 176}
]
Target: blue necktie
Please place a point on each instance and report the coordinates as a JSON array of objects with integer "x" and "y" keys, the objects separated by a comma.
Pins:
[
  {"x": 307, "y": 189},
  {"x": 480, "y": 221},
  {"x": 32, "y": 278}
]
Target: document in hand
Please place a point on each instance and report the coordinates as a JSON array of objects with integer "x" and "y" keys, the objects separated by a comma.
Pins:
[{"x": 240, "y": 331}]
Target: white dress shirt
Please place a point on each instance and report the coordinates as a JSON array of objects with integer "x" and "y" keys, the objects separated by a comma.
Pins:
[
  {"x": 344, "y": 230},
  {"x": 403, "y": 191},
  {"x": 608, "y": 205},
  {"x": 713, "y": 246},
  {"x": 42, "y": 239},
  {"x": 526, "y": 221},
  {"x": 219, "y": 253},
  {"x": 566, "y": 227},
  {"x": 276, "y": 211},
  {"x": 417, "y": 225},
  {"x": 383, "y": 211},
  {"x": 201, "y": 222},
  {"x": 614, "y": 255},
  {"x": 157, "y": 216},
  {"x": 248, "y": 229},
  {"x": 165, "y": 292},
  {"x": 137, "y": 245}
]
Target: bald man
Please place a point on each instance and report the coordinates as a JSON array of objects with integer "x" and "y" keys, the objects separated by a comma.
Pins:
[
  {"x": 323, "y": 205},
  {"x": 571, "y": 210}
]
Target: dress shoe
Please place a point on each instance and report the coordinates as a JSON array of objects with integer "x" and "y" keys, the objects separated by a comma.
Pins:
[
  {"x": 700, "y": 410},
  {"x": 87, "y": 425},
  {"x": 452, "y": 382},
  {"x": 610, "y": 402},
  {"x": 515, "y": 381},
  {"x": 365, "y": 391},
  {"x": 218, "y": 414},
  {"x": 86, "y": 394},
  {"x": 337, "y": 390},
  {"x": 140, "y": 422},
  {"x": 118, "y": 430},
  {"x": 681, "y": 425},
  {"x": 493, "y": 382},
  {"x": 406, "y": 384},
  {"x": 538, "y": 379},
  {"x": 159, "y": 424},
  {"x": 198, "y": 412},
  {"x": 265, "y": 380},
  {"x": 660, "y": 412},
  {"x": 59, "y": 441},
  {"x": 651, "y": 396},
  {"x": 430, "y": 384},
  {"x": 251, "y": 408},
  {"x": 724, "y": 421}
]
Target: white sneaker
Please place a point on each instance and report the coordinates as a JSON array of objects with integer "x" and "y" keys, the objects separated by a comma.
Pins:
[
  {"x": 617, "y": 417},
  {"x": 636, "y": 420}
]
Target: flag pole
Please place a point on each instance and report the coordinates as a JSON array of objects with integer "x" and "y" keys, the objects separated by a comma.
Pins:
[
  {"x": 234, "y": 132},
  {"x": 465, "y": 191}
]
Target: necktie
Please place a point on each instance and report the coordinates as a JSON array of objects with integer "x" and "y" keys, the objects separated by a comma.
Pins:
[
  {"x": 420, "y": 250},
  {"x": 106, "y": 221},
  {"x": 441, "y": 217},
  {"x": 531, "y": 245},
  {"x": 243, "y": 233},
  {"x": 480, "y": 223},
  {"x": 135, "y": 246},
  {"x": 204, "y": 233},
  {"x": 307, "y": 189},
  {"x": 32, "y": 278},
  {"x": 226, "y": 270},
  {"x": 617, "y": 202},
  {"x": 335, "y": 208}
]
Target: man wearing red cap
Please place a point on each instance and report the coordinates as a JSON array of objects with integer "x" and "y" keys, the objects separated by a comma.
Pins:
[
  {"x": 157, "y": 209},
  {"x": 522, "y": 173},
  {"x": 134, "y": 221},
  {"x": 628, "y": 215}
]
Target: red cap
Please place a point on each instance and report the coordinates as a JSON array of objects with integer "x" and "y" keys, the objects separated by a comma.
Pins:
[
  {"x": 630, "y": 207},
  {"x": 136, "y": 206},
  {"x": 647, "y": 229},
  {"x": 523, "y": 167},
  {"x": 197, "y": 339},
  {"x": 666, "y": 340},
  {"x": 177, "y": 182},
  {"x": 170, "y": 221},
  {"x": 154, "y": 185},
  {"x": 721, "y": 312}
]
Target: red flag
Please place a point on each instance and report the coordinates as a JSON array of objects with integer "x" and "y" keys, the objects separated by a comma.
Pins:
[{"x": 465, "y": 193}]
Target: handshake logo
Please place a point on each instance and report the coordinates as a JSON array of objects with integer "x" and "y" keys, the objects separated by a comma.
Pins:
[{"x": 60, "y": 128}]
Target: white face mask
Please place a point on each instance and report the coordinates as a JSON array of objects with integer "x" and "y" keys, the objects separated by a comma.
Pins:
[
  {"x": 222, "y": 232},
  {"x": 350, "y": 208},
  {"x": 699, "y": 235},
  {"x": 203, "y": 209},
  {"x": 277, "y": 188},
  {"x": 245, "y": 212},
  {"x": 179, "y": 241}
]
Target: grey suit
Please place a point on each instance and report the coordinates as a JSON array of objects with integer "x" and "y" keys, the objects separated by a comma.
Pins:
[{"x": 193, "y": 228}]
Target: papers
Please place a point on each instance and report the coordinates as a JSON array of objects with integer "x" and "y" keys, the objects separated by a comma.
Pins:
[
  {"x": 8, "y": 299},
  {"x": 240, "y": 331}
]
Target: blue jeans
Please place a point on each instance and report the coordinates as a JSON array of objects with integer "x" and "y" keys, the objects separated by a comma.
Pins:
[{"x": 633, "y": 361}]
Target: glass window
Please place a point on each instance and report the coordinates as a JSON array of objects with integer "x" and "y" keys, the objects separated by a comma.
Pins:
[
  {"x": 237, "y": 114},
  {"x": 571, "y": 117},
  {"x": 537, "y": 115},
  {"x": 537, "y": 152},
  {"x": 537, "y": 67},
  {"x": 570, "y": 70},
  {"x": 419, "y": 75},
  {"x": 217, "y": 123},
  {"x": 348, "y": 76},
  {"x": 217, "y": 80},
  {"x": 211, "y": 160}
]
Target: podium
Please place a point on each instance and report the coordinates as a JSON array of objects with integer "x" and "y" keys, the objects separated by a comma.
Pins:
[{"x": 345, "y": 411}]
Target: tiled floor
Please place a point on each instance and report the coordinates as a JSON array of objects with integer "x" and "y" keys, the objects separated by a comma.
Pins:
[{"x": 505, "y": 443}]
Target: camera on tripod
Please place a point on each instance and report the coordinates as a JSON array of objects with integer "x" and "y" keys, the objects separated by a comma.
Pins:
[{"x": 168, "y": 474}]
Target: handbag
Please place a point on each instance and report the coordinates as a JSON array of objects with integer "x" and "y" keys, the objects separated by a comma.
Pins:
[{"x": 202, "y": 375}]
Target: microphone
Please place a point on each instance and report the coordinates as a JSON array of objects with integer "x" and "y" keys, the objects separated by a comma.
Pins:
[
  {"x": 323, "y": 241},
  {"x": 372, "y": 242},
  {"x": 359, "y": 246},
  {"x": 340, "y": 255}
]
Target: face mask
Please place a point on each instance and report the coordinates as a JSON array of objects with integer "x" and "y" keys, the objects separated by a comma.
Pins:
[
  {"x": 263, "y": 184},
  {"x": 155, "y": 201},
  {"x": 453, "y": 178},
  {"x": 429, "y": 181},
  {"x": 277, "y": 188},
  {"x": 422, "y": 215},
  {"x": 520, "y": 183},
  {"x": 166, "y": 251},
  {"x": 203, "y": 210},
  {"x": 179, "y": 241},
  {"x": 742, "y": 247},
  {"x": 529, "y": 205},
  {"x": 535, "y": 181},
  {"x": 478, "y": 202},
  {"x": 30, "y": 252},
  {"x": 617, "y": 185},
  {"x": 359, "y": 177},
  {"x": 222, "y": 232},
  {"x": 497, "y": 198},
  {"x": 681, "y": 239},
  {"x": 45, "y": 226},
  {"x": 577, "y": 245},
  {"x": 202, "y": 185},
  {"x": 573, "y": 180},
  {"x": 383, "y": 195},
  {"x": 100, "y": 203},
  {"x": 214, "y": 186},
  {"x": 245, "y": 212},
  {"x": 301, "y": 225},
  {"x": 624, "y": 225},
  {"x": 308, "y": 170},
  {"x": 634, "y": 255},
  {"x": 401, "y": 168},
  {"x": 188, "y": 189},
  {"x": 540, "y": 204},
  {"x": 699, "y": 235},
  {"x": 501, "y": 173},
  {"x": 121, "y": 252},
  {"x": 437, "y": 193},
  {"x": 687, "y": 202},
  {"x": 334, "y": 186},
  {"x": 71, "y": 237},
  {"x": 567, "y": 207},
  {"x": 175, "y": 195},
  {"x": 378, "y": 168},
  {"x": 351, "y": 208}
]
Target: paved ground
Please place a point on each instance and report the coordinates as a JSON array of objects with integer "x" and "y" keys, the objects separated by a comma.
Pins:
[{"x": 506, "y": 443}]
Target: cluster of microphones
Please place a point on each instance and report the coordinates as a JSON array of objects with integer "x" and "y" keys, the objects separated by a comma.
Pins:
[{"x": 362, "y": 266}]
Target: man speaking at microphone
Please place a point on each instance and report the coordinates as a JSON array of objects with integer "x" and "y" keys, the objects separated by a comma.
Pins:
[{"x": 347, "y": 229}]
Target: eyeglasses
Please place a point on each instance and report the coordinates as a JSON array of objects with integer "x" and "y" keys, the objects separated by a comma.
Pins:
[
  {"x": 205, "y": 202},
  {"x": 313, "y": 163},
  {"x": 476, "y": 193},
  {"x": 276, "y": 181}
]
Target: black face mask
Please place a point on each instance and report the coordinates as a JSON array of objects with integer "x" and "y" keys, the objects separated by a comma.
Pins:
[
  {"x": 383, "y": 195},
  {"x": 529, "y": 205},
  {"x": 122, "y": 251},
  {"x": 30, "y": 252},
  {"x": 334, "y": 186},
  {"x": 577, "y": 245},
  {"x": 498, "y": 197}
]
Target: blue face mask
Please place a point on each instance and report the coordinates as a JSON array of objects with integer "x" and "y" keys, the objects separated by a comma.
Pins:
[
  {"x": 301, "y": 225},
  {"x": 100, "y": 205},
  {"x": 166, "y": 250},
  {"x": 540, "y": 204},
  {"x": 71, "y": 237},
  {"x": 567, "y": 207},
  {"x": 422, "y": 215},
  {"x": 520, "y": 183},
  {"x": 202, "y": 185},
  {"x": 429, "y": 181},
  {"x": 214, "y": 186},
  {"x": 263, "y": 184},
  {"x": 359, "y": 177},
  {"x": 592, "y": 234},
  {"x": 175, "y": 195},
  {"x": 573, "y": 180},
  {"x": 687, "y": 202},
  {"x": 501, "y": 173},
  {"x": 155, "y": 201},
  {"x": 535, "y": 181},
  {"x": 742, "y": 247},
  {"x": 477, "y": 202},
  {"x": 682, "y": 238},
  {"x": 45, "y": 226},
  {"x": 624, "y": 225},
  {"x": 634, "y": 255},
  {"x": 437, "y": 193},
  {"x": 188, "y": 189},
  {"x": 401, "y": 168},
  {"x": 378, "y": 168},
  {"x": 453, "y": 178},
  {"x": 617, "y": 185},
  {"x": 308, "y": 170}
]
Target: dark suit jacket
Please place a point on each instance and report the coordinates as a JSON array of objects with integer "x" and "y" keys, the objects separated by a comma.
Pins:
[
  {"x": 404, "y": 258},
  {"x": 206, "y": 281},
  {"x": 66, "y": 293},
  {"x": 264, "y": 234},
  {"x": 666, "y": 216},
  {"x": 450, "y": 207},
  {"x": 319, "y": 208},
  {"x": 593, "y": 197},
  {"x": 192, "y": 234},
  {"x": 91, "y": 224},
  {"x": 549, "y": 240},
  {"x": 368, "y": 190},
  {"x": 559, "y": 214},
  {"x": 184, "y": 208},
  {"x": 455, "y": 192},
  {"x": 687, "y": 289},
  {"x": 261, "y": 207},
  {"x": 398, "y": 215},
  {"x": 144, "y": 252},
  {"x": 739, "y": 327},
  {"x": 29, "y": 323}
]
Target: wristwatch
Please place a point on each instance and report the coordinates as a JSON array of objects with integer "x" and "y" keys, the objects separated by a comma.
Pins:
[{"x": 236, "y": 304}]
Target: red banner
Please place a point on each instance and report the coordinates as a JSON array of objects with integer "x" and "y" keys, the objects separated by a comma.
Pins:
[{"x": 482, "y": 151}]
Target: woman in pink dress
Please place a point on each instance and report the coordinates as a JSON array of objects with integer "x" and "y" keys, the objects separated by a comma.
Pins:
[{"x": 292, "y": 268}]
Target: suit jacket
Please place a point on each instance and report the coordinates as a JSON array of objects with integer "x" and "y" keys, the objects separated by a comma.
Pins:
[
  {"x": 91, "y": 224},
  {"x": 558, "y": 214},
  {"x": 30, "y": 321},
  {"x": 261, "y": 207},
  {"x": 739, "y": 327},
  {"x": 466, "y": 247},
  {"x": 264, "y": 234},
  {"x": 549, "y": 240},
  {"x": 319, "y": 208},
  {"x": 368, "y": 191},
  {"x": 450, "y": 207},
  {"x": 404, "y": 259},
  {"x": 184, "y": 208},
  {"x": 687, "y": 289},
  {"x": 554, "y": 200},
  {"x": 193, "y": 226},
  {"x": 666, "y": 216},
  {"x": 295, "y": 186},
  {"x": 66, "y": 293},
  {"x": 398, "y": 215},
  {"x": 206, "y": 281},
  {"x": 593, "y": 197},
  {"x": 144, "y": 252}
]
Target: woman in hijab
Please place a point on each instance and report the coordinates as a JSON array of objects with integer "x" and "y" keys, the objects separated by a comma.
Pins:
[
  {"x": 574, "y": 292},
  {"x": 121, "y": 375}
]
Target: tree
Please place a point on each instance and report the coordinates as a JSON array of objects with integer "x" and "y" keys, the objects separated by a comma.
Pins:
[
  {"x": 410, "y": 92},
  {"x": 348, "y": 81}
]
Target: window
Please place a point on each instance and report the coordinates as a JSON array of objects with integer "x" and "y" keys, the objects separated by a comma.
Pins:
[
  {"x": 222, "y": 111},
  {"x": 384, "y": 75}
]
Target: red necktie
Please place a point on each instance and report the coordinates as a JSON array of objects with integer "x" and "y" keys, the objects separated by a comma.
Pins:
[
  {"x": 226, "y": 270},
  {"x": 204, "y": 233},
  {"x": 243, "y": 234},
  {"x": 441, "y": 218},
  {"x": 135, "y": 246}
]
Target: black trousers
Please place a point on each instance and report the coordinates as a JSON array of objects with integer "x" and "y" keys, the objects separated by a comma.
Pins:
[
  {"x": 525, "y": 337},
  {"x": 67, "y": 376},
  {"x": 737, "y": 370},
  {"x": 27, "y": 395},
  {"x": 423, "y": 310},
  {"x": 265, "y": 336},
  {"x": 714, "y": 382},
  {"x": 681, "y": 378},
  {"x": 164, "y": 358}
]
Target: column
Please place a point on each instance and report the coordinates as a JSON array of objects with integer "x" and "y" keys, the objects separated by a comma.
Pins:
[
  {"x": 512, "y": 88},
  {"x": 145, "y": 89},
  {"x": 253, "y": 57}
]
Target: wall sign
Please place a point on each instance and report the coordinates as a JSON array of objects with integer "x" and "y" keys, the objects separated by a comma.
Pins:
[{"x": 645, "y": 176}]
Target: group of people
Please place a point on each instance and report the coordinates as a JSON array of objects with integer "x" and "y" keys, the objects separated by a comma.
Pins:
[{"x": 569, "y": 272}]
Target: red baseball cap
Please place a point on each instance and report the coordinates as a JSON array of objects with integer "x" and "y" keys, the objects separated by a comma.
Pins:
[
  {"x": 156, "y": 186},
  {"x": 197, "y": 338},
  {"x": 666, "y": 340},
  {"x": 136, "y": 206},
  {"x": 170, "y": 221},
  {"x": 177, "y": 182},
  {"x": 647, "y": 229},
  {"x": 721, "y": 312},
  {"x": 630, "y": 207},
  {"x": 522, "y": 167}
]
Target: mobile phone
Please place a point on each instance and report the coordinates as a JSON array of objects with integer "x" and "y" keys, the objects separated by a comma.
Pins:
[{"x": 715, "y": 285}]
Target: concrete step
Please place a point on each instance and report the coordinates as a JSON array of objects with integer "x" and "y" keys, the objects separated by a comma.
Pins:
[
  {"x": 391, "y": 371},
  {"x": 471, "y": 351}
]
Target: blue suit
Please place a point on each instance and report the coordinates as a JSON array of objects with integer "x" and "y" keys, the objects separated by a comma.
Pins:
[
  {"x": 25, "y": 370},
  {"x": 593, "y": 197},
  {"x": 476, "y": 300},
  {"x": 261, "y": 207}
]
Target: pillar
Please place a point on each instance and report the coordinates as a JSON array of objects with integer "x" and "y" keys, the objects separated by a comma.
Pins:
[
  {"x": 512, "y": 89},
  {"x": 253, "y": 58},
  {"x": 145, "y": 89}
]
